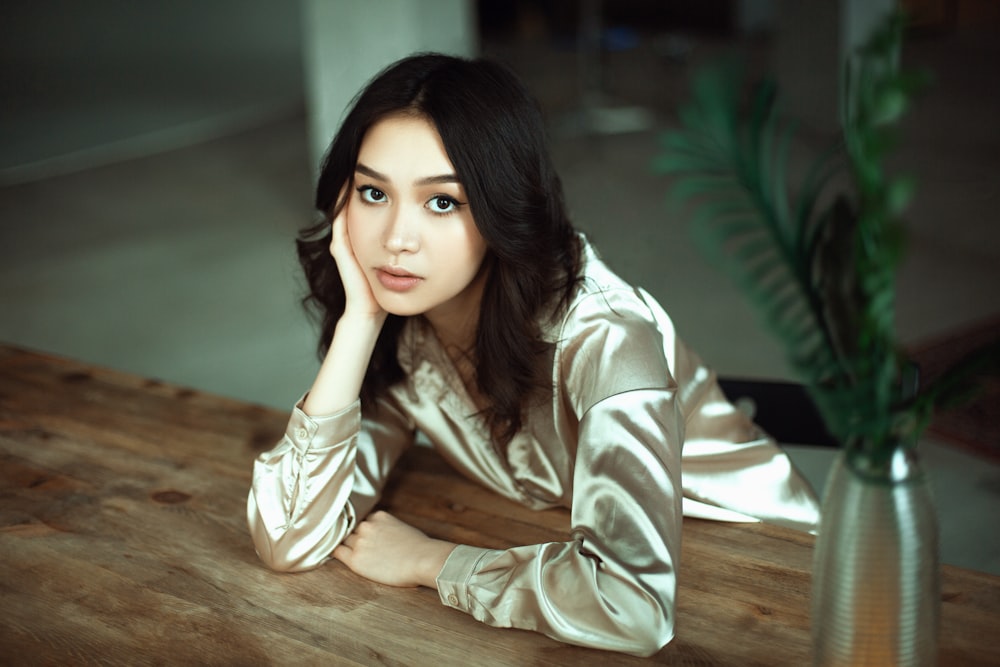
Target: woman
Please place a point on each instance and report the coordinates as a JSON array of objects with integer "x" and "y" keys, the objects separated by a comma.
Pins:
[{"x": 458, "y": 300}]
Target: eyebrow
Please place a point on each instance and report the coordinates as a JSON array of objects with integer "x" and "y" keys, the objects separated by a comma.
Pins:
[{"x": 426, "y": 180}]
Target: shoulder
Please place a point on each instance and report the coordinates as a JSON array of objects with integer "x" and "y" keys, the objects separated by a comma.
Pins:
[
  {"x": 610, "y": 339},
  {"x": 604, "y": 302}
]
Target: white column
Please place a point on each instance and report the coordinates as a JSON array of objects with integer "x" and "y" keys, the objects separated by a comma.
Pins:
[{"x": 346, "y": 42}]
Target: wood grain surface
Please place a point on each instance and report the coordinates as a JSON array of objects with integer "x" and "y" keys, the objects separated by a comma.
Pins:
[{"x": 123, "y": 540}]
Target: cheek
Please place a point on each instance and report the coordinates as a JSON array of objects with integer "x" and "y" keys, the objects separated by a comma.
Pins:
[
  {"x": 460, "y": 251},
  {"x": 358, "y": 229},
  {"x": 474, "y": 258},
  {"x": 475, "y": 248}
]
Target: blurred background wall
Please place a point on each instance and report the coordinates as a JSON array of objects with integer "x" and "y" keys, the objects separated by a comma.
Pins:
[
  {"x": 157, "y": 160},
  {"x": 95, "y": 82},
  {"x": 88, "y": 83},
  {"x": 182, "y": 266}
]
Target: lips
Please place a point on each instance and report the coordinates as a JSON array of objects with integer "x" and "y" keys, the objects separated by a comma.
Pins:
[{"x": 396, "y": 279}]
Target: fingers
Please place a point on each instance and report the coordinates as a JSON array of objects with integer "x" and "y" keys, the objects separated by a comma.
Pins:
[
  {"x": 346, "y": 551},
  {"x": 338, "y": 238},
  {"x": 340, "y": 246},
  {"x": 360, "y": 298},
  {"x": 368, "y": 525},
  {"x": 388, "y": 551},
  {"x": 339, "y": 242},
  {"x": 363, "y": 530},
  {"x": 343, "y": 553}
]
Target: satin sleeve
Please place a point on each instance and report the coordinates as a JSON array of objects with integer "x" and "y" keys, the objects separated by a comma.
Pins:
[
  {"x": 733, "y": 471},
  {"x": 613, "y": 584},
  {"x": 323, "y": 476}
]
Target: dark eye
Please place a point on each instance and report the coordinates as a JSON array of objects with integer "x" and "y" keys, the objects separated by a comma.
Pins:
[
  {"x": 443, "y": 204},
  {"x": 371, "y": 195}
]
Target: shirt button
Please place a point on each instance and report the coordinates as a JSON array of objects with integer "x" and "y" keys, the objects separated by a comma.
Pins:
[
  {"x": 453, "y": 600},
  {"x": 301, "y": 433}
]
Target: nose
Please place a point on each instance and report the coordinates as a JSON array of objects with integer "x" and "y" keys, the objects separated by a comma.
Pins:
[{"x": 402, "y": 234}]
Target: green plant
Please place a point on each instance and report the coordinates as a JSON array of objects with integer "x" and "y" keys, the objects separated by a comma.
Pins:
[{"x": 820, "y": 263}]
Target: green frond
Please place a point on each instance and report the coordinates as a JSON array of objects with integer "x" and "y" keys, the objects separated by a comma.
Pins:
[
  {"x": 748, "y": 231},
  {"x": 778, "y": 174},
  {"x": 819, "y": 273},
  {"x": 817, "y": 179}
]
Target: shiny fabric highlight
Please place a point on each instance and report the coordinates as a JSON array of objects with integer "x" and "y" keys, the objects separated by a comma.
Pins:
[{"x": 636, "y": 429}]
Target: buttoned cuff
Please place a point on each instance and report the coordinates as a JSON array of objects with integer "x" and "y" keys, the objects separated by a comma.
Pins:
[
  {"x": 453, "y": 580},
  {"x": 314, "y": 433}
]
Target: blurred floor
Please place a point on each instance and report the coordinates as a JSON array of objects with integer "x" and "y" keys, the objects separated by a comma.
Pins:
[{"x": 180, "y": 265}]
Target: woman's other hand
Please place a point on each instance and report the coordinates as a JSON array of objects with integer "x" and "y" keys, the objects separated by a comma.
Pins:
[{"x": 388, "y": 551}]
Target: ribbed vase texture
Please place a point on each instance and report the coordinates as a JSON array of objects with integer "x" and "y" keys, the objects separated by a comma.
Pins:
[{"x": 876, "y": 575}]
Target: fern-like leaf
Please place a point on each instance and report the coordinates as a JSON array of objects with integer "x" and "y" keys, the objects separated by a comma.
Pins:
[
  {"x": 734, "y": 175},
  {"x": 820, "y": 270}
]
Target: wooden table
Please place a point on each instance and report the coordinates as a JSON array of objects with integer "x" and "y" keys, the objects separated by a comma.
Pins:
[{"x": 123, "y": 540}]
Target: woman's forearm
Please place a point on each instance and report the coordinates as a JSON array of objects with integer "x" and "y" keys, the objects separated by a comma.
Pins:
[{"x": 338, "y": 382}]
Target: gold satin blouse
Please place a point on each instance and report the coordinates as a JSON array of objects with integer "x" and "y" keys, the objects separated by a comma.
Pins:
[{"x": 635, "y": 421}]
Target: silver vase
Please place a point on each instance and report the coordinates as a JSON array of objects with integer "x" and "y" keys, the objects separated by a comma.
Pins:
[{"x": 876, "y": 574}]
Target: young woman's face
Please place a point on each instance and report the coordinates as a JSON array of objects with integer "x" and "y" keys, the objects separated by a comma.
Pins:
[{"x": 410, "y": 225}]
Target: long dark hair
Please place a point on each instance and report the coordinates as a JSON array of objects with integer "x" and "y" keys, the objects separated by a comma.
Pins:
[{"x": 494, "y": 135}]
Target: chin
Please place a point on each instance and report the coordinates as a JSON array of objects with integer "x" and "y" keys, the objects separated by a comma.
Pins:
[{"x": 394, "y": 307}]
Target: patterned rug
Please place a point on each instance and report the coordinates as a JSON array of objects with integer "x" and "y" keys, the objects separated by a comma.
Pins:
[{"x": 975, "y": 425}]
